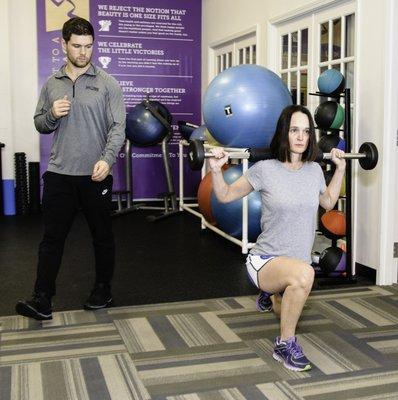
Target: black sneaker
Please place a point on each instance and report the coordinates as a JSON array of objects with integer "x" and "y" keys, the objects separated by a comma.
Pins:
[
  {"x": 39, "y": 307},
  {"x": 100, "y": 297}
]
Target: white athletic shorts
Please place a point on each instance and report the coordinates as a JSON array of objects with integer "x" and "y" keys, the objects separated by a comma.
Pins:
[{"x": 254, "y": 263}]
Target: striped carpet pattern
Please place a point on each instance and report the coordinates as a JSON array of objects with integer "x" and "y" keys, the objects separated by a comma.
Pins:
[{"x": 208, "y": 349}]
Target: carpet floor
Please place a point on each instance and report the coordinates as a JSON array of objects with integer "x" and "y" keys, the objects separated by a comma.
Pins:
[{"x": 205, "y": 349}]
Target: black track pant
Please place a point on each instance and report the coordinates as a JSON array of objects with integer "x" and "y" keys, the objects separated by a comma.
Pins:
[{"x": 63, "y": 196}]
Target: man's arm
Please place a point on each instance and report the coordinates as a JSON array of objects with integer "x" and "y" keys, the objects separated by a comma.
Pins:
[
  {"x": 116, "y": 134},
  {"x": 45, "y": 122}
]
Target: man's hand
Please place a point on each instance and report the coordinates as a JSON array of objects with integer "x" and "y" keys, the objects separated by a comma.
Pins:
[
  {"x": 60, "y": 107},
  {"x": 100, "y": 171}
]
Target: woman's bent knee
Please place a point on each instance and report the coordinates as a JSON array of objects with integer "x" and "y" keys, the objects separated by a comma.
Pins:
[{"x": 304, "y": 277}]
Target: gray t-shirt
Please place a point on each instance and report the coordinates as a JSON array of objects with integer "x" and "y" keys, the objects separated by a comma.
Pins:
[
  {"x": 94, "y": 128},
  {"x": 289, "y": 204}
]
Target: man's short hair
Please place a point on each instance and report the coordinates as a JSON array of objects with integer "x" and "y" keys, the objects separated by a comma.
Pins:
[{"x": 78, "y": 26}]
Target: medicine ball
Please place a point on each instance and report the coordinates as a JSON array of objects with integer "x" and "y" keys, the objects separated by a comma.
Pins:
[
  {"x": 204, "y": 198},
  {"x": 331, "y": 82},
  {"x": 328, "y": 142},
  {"x": 332, "y": 259},
  {"x": 333, "y": 224},
  {"x": 329, "y": 115}
]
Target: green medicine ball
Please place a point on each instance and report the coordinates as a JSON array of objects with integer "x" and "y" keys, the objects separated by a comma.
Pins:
[{"x": 329, "y": 115}]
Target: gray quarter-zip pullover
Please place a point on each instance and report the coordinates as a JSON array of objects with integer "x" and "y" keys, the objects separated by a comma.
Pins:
[{"x": 93, "y": 130}]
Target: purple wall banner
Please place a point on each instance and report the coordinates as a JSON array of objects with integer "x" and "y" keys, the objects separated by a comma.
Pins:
[{"x": 153, "y": 48}]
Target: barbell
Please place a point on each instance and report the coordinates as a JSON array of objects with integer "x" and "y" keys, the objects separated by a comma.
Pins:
[{"x": 368, "y": 155}]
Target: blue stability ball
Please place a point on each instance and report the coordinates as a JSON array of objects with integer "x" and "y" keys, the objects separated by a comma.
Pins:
[
  {"x": 143, "y": 128},
  {"x": 229, "y": 215},
  {"x": 199, "y": 133},
  {"x": 331, "y": 82},
  {"x": 186, "y": 129},
  {"x": 242, "y": 105}
]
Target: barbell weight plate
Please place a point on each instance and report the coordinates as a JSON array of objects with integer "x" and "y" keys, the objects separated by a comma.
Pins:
[
  {"x": 196, "y": 154},
  {"x": 372, "y": 155}
]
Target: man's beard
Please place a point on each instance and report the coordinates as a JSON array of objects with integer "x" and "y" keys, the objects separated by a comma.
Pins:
[{"x": 79, "y": 64}]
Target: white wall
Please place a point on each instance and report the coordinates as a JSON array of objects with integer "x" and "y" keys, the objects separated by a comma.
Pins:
[
  {"x": 18, "y": 84},
  {"x": 5, "y": 94},
  {"x": 23, "y": 61},
  {"x": 376, "y": 191}
]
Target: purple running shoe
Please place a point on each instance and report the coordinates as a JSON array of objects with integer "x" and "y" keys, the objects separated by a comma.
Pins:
[
  {"x": 264, "y": 302},
  {"x": 290, "y": 353}
]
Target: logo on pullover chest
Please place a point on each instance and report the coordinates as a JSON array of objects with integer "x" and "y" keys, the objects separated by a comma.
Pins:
[{"x": 92, "y": 88}]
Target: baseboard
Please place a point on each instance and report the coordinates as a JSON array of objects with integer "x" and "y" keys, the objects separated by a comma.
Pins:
[{"x": 366, "y": 272}]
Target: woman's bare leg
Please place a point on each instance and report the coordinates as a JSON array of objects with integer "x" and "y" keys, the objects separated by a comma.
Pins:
[
  {"x": 276, "y": 304},
  {"x": 293, "y": 276}
]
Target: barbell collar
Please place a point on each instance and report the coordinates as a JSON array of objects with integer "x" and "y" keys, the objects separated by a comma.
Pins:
[
  {"x": 233, "y": 154},
  {"x": 347, "y": 156}
]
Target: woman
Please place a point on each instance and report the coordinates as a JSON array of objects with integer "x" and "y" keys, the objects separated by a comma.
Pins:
[{"x": 292, "y": 187}]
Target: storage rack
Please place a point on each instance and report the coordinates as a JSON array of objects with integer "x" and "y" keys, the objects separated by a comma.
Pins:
[{"x": 350, "y": 275}]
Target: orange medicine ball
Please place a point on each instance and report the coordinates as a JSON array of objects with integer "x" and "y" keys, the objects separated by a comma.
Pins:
[
  {"x": 334, "y": 222},
  {"x": 204, "y": 198}
]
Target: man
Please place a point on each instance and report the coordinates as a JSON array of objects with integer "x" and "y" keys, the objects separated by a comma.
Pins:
[{"x": 83, "y": 106}]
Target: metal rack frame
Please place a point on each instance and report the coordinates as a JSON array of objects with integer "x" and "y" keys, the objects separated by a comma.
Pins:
[
  {"x": 190, "y": 207},
  {"x": 350, "y": 278}
]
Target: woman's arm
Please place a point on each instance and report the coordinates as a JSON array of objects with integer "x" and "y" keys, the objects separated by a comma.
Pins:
[
  {"x": 226, "y": 193},
  {"x": 329, "y": 198}
]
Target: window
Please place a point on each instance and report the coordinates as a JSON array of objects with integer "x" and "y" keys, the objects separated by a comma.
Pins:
[
  {"x": 247, "y": 55},
  {"x": 224, "y": 60},
  {"x": 336, "y": 47},
  {"x": 240, "y": 50},
  {"x": 336, "y": 40},
  {"x": 294, "y": 64},
  {"x": 312, "y": 43}
]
